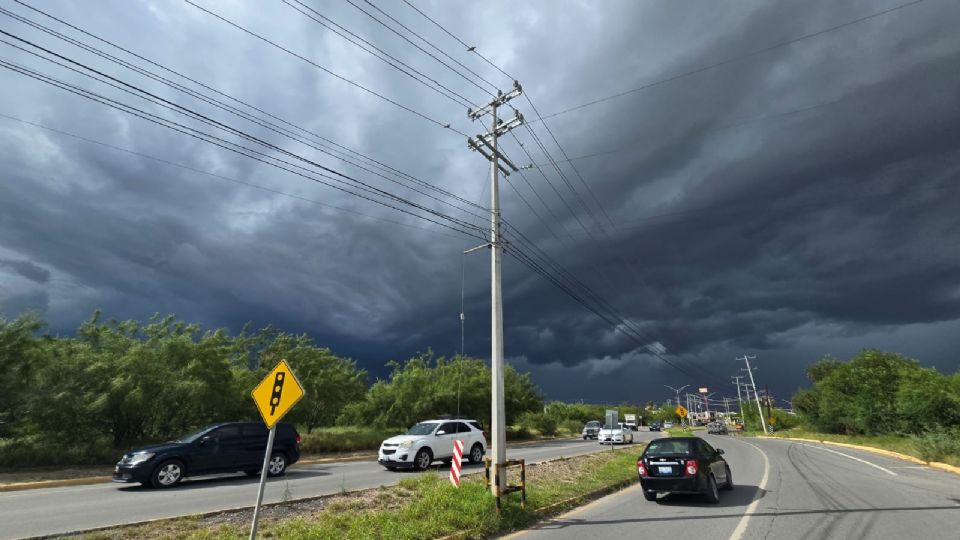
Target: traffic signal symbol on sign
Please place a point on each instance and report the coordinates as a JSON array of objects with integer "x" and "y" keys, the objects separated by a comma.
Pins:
[
  {"x": 681, "y": 411},
  {"x": 277, "y": 393}
]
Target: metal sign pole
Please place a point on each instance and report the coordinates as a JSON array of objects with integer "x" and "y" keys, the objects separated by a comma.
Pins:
[{"x": 263, "y": 482}]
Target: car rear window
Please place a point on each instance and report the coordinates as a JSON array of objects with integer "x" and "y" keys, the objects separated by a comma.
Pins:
[
  {"x": 477, "y": 425},
  {"x": 668, "y": 448}
]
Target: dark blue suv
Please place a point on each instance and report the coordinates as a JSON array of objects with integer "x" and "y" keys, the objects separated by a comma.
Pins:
[{"x": 220, "y": 448}]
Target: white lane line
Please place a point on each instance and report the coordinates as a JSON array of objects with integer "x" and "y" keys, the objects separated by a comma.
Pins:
[
  {"x": 865, "y": 462},
  {"x": 742, "y": 525}
]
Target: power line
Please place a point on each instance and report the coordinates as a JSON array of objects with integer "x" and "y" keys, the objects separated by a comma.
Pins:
[
  {"x": 247, "y": 152},
  {"x": 367, "y": 46},
  {"x": 469, "y": 48},
  {"x": 324, "y": 69},
  {"x": 438, "y": 49},
  {"x": 428, "y": 53},
  {"x": 732, "y": 59},
  {"x": 373, "y": 162},
  {"x": 216, "y": 175}
]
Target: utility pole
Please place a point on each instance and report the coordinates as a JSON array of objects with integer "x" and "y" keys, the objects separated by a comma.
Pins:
[
  {"x": 486, "y": 145},
  {"x": 766, "y": 397},
  {"x": 763, "y": 422},
  {"x": 678, "y": 390}
]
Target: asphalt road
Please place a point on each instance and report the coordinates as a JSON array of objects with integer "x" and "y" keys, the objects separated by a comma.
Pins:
[
  {"x": 784, "y": 490},
  {"x": 58, "y": 510}
]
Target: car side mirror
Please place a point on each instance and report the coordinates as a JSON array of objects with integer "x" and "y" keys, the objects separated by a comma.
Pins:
[
  {"x": 441, "y": 432},
  {"x": 719, "y": 452}
]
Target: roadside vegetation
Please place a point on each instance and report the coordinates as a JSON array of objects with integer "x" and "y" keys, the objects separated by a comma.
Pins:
[
  {"x": 114, "y": 385},
  {"x": 878, "y": 399},
  {"x": 425, "y": 506}
]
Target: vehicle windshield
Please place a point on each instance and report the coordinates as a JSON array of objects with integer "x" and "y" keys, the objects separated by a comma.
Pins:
[
  {"x": 423, "y": 428},
  {"x": 593, "y": 424},
  {"x": 668, "y": 448},
  {"x": 191, "y": 437}
]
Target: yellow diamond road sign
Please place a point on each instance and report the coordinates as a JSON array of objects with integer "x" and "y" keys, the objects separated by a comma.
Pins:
[
  {"x": 277, "y": 393},
  {"x": 681, "y": 411}
]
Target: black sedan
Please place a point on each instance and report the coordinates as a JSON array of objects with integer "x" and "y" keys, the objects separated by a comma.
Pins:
[
  {"x": 656, "y": 426},
  {"x": 683, "y": 465}
]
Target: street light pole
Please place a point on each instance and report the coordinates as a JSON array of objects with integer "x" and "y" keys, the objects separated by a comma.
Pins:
[{"x": 756, "y": 394}]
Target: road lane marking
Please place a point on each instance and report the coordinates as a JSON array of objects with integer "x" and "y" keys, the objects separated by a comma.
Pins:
[
  {"x": 865, "y": 462},
  {"x": 742, "y": 525}
]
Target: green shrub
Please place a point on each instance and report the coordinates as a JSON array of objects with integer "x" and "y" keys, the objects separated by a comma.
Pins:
[
  {"x": 937, "y": 445},
  {"x": 333, "y": 440},
  {"x": 572, "y": 427},
  {"x": 543, "y": 423}
]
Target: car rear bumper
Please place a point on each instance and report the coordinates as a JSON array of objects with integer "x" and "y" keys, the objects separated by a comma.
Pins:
[{"x": 673, "y": 484}]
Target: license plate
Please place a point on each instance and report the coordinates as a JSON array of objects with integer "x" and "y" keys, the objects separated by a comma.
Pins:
[{"x": 665, "y": 470}]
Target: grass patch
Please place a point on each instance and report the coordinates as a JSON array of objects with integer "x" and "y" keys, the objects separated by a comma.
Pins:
[
  {"x": 423, "y": 506},
  {"x": 921, "y": 447}
]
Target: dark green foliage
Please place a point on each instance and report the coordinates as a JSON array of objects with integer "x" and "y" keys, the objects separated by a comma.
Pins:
[
  {"x": 120, "y": 384},
  {"x": 423, "y": 387},
  {"x": 540, "y": 422},
  {"x": 878, "y": 392}
]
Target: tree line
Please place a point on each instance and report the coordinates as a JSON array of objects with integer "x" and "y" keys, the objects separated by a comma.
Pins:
[{"x": 118, "y": 384}]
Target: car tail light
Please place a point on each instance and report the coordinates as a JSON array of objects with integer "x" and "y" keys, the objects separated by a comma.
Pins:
[
  {"x": 692, "y": 467},
  {"x": 486, "y": 437},
  {"x": 298, "y": 439},
  {"x": 641, "y": 468}
]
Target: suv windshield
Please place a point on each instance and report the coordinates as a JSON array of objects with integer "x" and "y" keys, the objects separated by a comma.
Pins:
[
  {"x": 423, "y": 428},
  {"x": 593, "y": 424},
  {"x": 668, "y": 448}
]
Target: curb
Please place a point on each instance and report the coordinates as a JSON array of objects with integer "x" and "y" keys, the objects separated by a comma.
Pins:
[
  {"x": 39, "y": 484},
  {"x": 889, "y": 453},
  {"x": 265, "y": 505}
]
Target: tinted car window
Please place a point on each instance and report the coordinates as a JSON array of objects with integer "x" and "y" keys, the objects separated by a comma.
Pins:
[
  {"x": 227, "y": 433},
  {"x": 423, "y": 428},
  {"x": 449, "y": 427},
  {"x": 477, "y": 425},
  {"x": 706, "y": 449},
  {"x": 668, "y": 447},
  {"x": 463, "y": 428},
  {"x": 255, "y": 431}
]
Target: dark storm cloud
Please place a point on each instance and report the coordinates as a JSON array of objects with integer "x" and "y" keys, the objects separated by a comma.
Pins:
[
  {"x": 28, "y": 270},
  {"x": 797, "y": 202}
]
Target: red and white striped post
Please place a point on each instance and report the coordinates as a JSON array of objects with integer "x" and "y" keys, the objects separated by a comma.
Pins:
[{"x": 455, "y": 463}]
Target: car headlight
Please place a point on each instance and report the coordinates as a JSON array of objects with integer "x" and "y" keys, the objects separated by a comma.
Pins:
[
  {"x": 406, "y": 445},
  {"x": 139, "y": 458}
]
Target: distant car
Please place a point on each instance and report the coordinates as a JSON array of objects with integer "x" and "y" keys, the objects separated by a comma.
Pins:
[
  {"x": 220, "y": 448},
  {"x": 656, "y": 426},
  {"x": 683, "y": 465},
  {"x": 431, "y": 440},
  {"x": 667, "y": 425},
  {"x": 717, "y": 428},
  {"x": 614, "y": 434},
  {"x": 590, "y": 430}
]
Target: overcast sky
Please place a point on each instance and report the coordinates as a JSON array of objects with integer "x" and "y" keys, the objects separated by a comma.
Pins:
[{"x": 790, "y": 202}]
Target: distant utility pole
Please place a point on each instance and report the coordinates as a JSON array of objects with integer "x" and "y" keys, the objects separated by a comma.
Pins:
[
  {"x": 739, "y": 399},
  {"x": 756, "y": 394},
  {"x": 678, "y": 390},
  {"x": 726, "y": 405},
  {"x": 486, "y": 144}
]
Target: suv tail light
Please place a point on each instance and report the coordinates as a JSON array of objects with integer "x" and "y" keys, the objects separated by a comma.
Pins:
[
  {"x": 486, "y": 437},
  {"x": 298, "y": 439},
  {"x": 641, "y": 468},
  {"x": 692, "y": 467}
]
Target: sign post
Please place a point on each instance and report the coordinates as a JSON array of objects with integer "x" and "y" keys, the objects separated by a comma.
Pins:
[
  {"x": 612, "y": 418},
  {"x": 276, "y": 394}
]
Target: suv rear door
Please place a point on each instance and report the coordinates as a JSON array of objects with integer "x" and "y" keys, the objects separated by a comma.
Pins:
[
  {"x": 254, "y": 445},
  {"x": 444, "y": 443}
]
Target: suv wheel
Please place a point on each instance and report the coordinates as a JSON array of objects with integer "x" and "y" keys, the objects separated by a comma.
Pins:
[
  {"x": 729, "y": 485},
  {"x": 423, "y": 459},
  {"x": 277, "y": 464},
  {"x": 476, "y": 453},
  {"x": 167, "y": 474},
  {"x": 650, "y": 495}
]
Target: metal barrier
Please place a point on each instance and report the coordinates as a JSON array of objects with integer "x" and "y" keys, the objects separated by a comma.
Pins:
[{"x": 521, "y": 487}]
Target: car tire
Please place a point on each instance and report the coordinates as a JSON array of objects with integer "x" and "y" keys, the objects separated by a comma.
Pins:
[
  {"x": 423, "y": 459},
  {"x": 167, "y": 474},
  {"x": 728, "y": 486},
  {"x": 712, "y": 494},
  {"x": 476, "y": 453},
  {"x": 585, "y": 437},
  {"x": 650, "y": 495},
  {"x": 277, "y": 465}
]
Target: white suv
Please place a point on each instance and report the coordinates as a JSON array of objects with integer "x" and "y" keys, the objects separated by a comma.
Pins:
[{"x": 432, "y": 440}]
